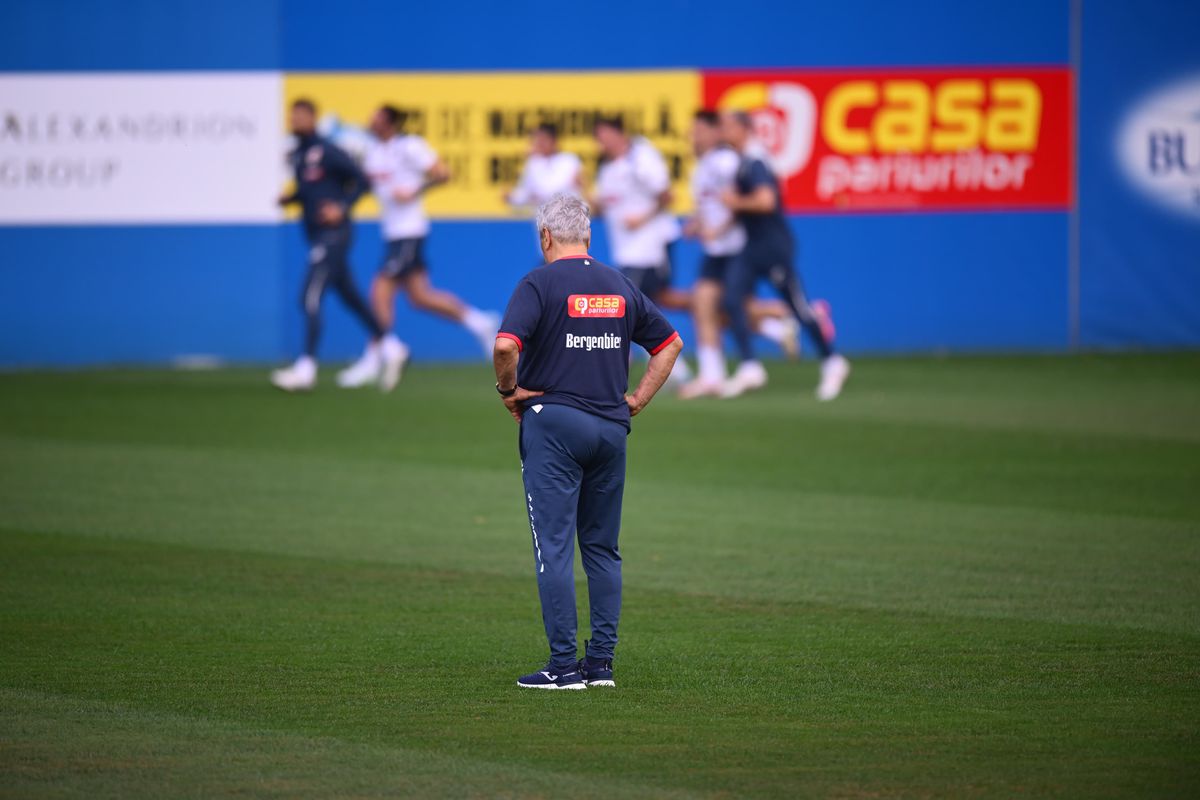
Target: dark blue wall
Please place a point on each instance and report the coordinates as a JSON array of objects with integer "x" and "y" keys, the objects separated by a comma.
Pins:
[
  {"x": 671, "y": 33},
  {"x": 994, "y": 281}
]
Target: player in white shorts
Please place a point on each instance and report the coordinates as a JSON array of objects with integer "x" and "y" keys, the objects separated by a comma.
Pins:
[
  {"x": 402, "y": 167},
  {"x": 548, "y": 171},
  {"x": 722, "y": 237}
]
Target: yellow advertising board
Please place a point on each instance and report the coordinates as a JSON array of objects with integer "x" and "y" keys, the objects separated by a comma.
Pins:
[{"x": 480, "y": 122}]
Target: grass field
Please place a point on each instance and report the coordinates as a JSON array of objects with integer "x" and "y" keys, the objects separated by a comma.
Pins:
[{"x": 969, "y": 577}]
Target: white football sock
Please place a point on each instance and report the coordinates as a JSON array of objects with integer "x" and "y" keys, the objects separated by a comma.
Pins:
[{"x": 711, "y": 362}]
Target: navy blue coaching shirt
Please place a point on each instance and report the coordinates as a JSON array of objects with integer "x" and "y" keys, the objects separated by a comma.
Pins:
[{"x": 573, "y": 320}]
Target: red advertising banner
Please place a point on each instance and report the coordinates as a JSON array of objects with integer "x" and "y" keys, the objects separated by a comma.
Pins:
[{"x": 896, "y": 139}]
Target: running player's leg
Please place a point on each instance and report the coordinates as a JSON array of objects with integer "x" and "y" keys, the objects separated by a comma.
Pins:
[
  {"x": 552, "y": 476},
  {"x": 707, "y": 318},
  {"x": 425, "y": 297},
  {"x": 383, "y": 300},
  {"x": 706, "y": 315},
  {"x": 302, "y": 374},
  {"x": 323, "y": 258},
  {"x": 773, "y": 320},
  {"x": 599, "y": 523},
  {"x": 342, "y": 281},
  {"x": 315, "y": 284},
  {"x": 741, "y": 277},
  {"x": 834, "y": 368},
  {"x": 786, "y": 282},
  {"x": 414, "y": 278},
  {"x": 666, "y": 296},
  {"x": 384, "y": 357}
]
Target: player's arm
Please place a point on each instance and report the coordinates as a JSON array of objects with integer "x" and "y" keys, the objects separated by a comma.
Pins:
[
  {"x": 661, "y": 340},
  {"x": 436, "y": 175},
  {"x": 504, "y": 358},
  {"x": 709, "y": 234},
  {"x": 520, "y": 321},
  {"x": 759, "y": 199},
  {"x": 289, "y": 196},
  {"x": 520, "y": 194},
  {"x": 662, "y": 361}
]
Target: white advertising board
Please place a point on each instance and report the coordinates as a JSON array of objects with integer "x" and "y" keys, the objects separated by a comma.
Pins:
[{"x": 128, "y": 148}]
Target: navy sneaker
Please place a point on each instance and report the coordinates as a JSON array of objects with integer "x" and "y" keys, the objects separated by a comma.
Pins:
[
  {"x": 551, "y": 678},
  {"x": 597, "y": 672}
]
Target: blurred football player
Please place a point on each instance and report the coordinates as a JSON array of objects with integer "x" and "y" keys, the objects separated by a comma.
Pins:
[
  {"x": 402, "y": 167},
  {"x": 328, "y": 184},
  {"x": 548, "y": 171},
  {"x": 722, "y": 237},
  {"x": 633, "y": 192},
  {"x": 769, "y": 255}
]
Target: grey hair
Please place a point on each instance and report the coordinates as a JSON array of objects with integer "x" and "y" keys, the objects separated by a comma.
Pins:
[{"x": 567, "y": 218}]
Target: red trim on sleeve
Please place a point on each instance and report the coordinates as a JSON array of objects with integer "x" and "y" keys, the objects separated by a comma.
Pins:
[
  {"x": 666, "y": 342},
  {"x": 517, "y": 339}
]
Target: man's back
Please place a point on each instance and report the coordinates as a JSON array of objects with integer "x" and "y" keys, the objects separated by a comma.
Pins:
[{"x": 574, "y": 320}]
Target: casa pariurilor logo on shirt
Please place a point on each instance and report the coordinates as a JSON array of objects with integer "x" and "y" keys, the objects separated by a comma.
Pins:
[{"x": 609, "y": 306}]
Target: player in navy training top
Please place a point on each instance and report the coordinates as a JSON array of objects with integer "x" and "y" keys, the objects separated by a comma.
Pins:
[
  {"x": 769, "y": 255},
  {"x": 562, "y": 367},
  {"x": 328, "y": 184}
]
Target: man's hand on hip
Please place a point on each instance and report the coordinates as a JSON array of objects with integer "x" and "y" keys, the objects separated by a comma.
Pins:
[
  {"x": 513, "y": 402},
  {"x": 635, "y": 405}
]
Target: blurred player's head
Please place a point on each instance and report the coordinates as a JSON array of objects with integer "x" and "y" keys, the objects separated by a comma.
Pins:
[
  {"x": 302, "y": 119},
  {"x": 544, "y": 139},
  {"x": 563, "y": 221},
  {"x": 737, "y": 128},
  {"x": 706, "y": 131},
  {"x": 385, "y": 122},
  {"x": 610, "y": 135}
]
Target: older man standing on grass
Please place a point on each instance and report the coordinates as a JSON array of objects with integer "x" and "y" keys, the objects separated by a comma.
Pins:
[{"x": 562, "y": 369}]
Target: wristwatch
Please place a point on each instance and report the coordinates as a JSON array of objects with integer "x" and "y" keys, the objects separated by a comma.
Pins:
[{"x": 503, "y": 393}]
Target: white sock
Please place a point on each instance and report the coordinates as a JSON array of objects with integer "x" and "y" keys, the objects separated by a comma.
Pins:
[
  {"x": 712, "y": 364},
  {"x": 306, "y": 365},
  {"x": 477, "y": 322},
  {"x": 774, "y": 329}
]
